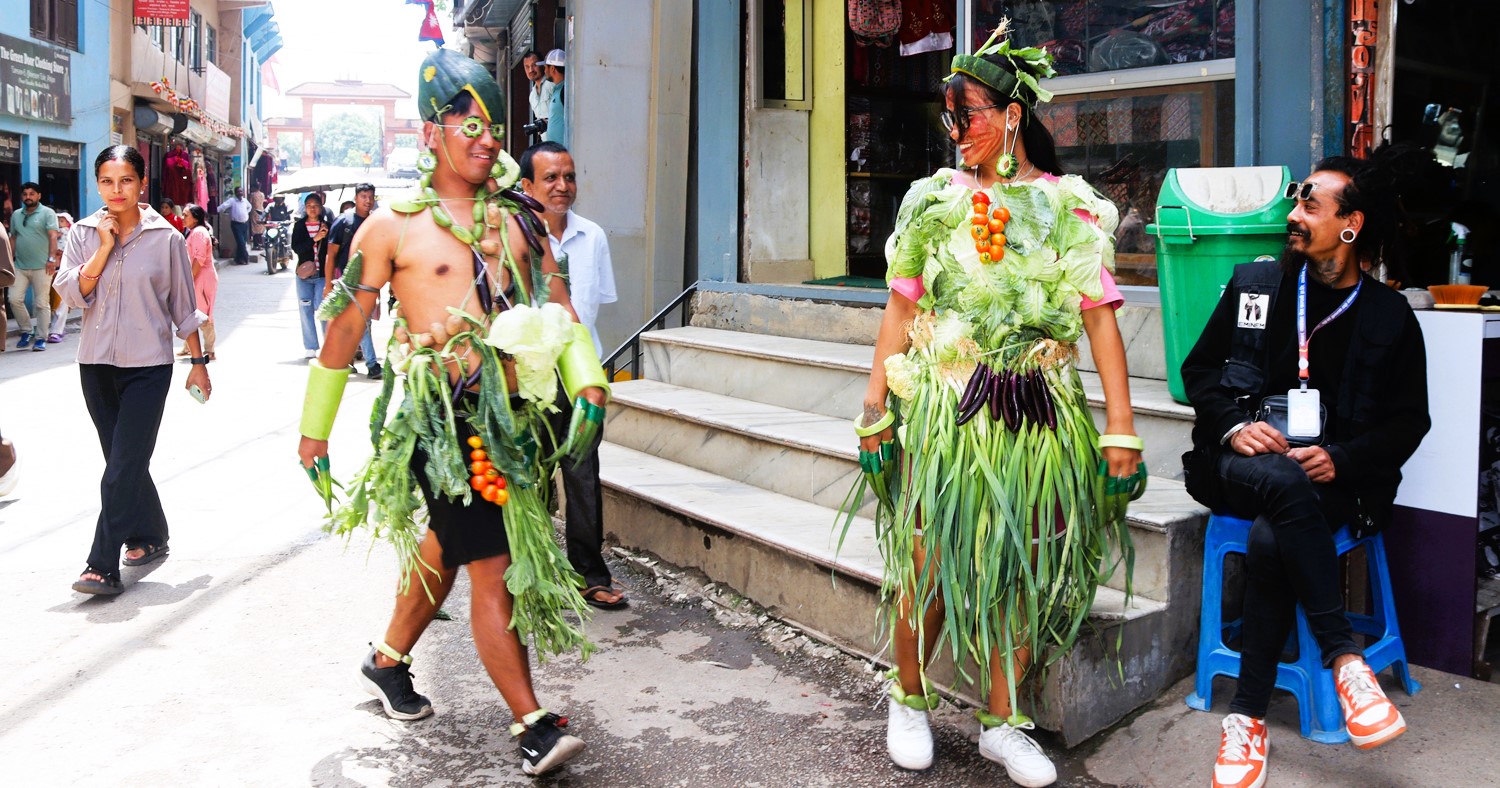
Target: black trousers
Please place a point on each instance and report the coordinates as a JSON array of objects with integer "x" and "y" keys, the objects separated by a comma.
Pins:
[
  {"x": 584, "y": 510},
  {"x": 1290, "y": 558},
  {"x": 126, "y": 404}
]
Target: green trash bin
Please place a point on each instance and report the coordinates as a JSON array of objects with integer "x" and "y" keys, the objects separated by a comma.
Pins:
[{"x": 1208, "y": 220}]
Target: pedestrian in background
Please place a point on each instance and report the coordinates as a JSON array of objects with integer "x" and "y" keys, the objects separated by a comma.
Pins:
[
  {"x": 539, "y": 95},
  {"x": 557, "y": 114},
  {"x": 310, "y": 245},
  {"x": 200, "y": 248},
  {"x": 340, "y": 241},
  {"x": 128, "y": 269},
  {"x": 582, "y": 253},
  {"x": 33, "y": 232},
  {"x": 7, "y": 279},
  {"x": 238, "y": 209},
  {"x": 59, "y": 312},
  {"x": 168, "y": 211}
]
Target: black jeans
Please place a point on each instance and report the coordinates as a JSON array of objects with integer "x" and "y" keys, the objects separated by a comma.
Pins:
[
  {"x": 1290, "y": 558},
  {"x": 126, "y": 404},
  {"x": 584, "y": 513},
  {"x": 241, "y": 232}
]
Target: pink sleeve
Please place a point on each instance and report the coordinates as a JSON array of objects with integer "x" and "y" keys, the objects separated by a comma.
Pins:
[
  {"x": 910, "y": 286},
  {"x": 199, "y": 247},
  {"x": 1111, "y": 296}
]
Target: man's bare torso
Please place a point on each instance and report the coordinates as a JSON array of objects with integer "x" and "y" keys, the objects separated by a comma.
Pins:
[{"x": 430, "y": 270}]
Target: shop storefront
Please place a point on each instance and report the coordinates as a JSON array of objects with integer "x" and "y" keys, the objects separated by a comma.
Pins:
[
  {"x": 1420, "y": 75},
  {"x": 1142, "y": 87}
]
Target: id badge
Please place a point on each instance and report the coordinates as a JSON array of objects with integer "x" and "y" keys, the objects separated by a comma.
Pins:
[{"x": 1303, "y": 413}]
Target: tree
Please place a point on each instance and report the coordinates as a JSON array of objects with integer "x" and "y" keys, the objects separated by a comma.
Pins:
[{"x": 342, "y": 138}]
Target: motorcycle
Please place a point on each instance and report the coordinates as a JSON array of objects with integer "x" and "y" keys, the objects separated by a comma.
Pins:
[{"x": 278, "y": 246}]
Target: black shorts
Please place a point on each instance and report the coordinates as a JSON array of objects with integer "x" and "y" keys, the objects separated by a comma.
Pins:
[{"x": 466, "y": 533}]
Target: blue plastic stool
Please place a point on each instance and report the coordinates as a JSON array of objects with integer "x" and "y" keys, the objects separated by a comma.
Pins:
[{"x": 1321, "y": 718}]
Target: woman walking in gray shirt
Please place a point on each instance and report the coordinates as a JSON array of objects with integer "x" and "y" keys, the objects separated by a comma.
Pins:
[{"x": 128, "y": 269}]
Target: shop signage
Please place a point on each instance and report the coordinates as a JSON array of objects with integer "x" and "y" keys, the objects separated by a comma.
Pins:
[
  {"x": 162, "y": 13},
  {"x": 1363, "y": 35},
  {"x": 35, "y": 81},
  {"x": 57, "y": 154},
  {"x": 10, "y": 148}
]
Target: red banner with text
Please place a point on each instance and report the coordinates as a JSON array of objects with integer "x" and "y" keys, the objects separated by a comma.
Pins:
[{"x": 162, "y": 13}]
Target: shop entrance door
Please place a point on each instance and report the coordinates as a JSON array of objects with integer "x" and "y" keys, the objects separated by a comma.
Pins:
[
  {"x": 57, "y": 172},
  {"x": 10, "y": 175}
]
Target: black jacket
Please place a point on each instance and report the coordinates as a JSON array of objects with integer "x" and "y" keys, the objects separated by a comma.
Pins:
[
  {"x": 302, "y": 242},
  {"x": 1382, "y": 402}
]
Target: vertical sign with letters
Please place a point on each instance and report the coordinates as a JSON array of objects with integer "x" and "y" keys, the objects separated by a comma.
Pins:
[{"x": 1364, "y": 16}]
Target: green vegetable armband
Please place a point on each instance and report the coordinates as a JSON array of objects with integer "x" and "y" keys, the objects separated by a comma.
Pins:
[
  {"x": 325, "y": 389},
  {"x": 579, "y": 364}
]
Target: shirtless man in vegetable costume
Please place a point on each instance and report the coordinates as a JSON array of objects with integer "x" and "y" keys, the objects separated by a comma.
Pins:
[{"x": 483, "y": 328}]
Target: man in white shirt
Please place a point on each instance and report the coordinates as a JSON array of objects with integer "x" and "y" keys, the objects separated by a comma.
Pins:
[
  {"x": 582, "y": 252},
  {"x": 540, "y": 94},
  {"x": 238, "y": 209}
]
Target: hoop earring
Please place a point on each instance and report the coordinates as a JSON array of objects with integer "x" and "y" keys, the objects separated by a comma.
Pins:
[{"x": 1347, "y": 235}]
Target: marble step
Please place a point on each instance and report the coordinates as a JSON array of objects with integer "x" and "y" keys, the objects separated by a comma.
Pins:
[
  {"x": 783, "y": 553},
  {"x": 804, "y": 455},
  {"x": 813, "y": 457},
  {"x": 830, "y": 378}
]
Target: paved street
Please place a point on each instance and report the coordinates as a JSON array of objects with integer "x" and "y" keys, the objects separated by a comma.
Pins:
[{"x": 232, "y": 662}]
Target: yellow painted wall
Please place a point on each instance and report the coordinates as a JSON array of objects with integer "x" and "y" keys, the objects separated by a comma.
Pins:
[{"x": 826, "y": 189}]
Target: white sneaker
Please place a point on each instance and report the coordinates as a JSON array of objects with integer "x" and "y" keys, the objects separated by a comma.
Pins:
[
  {"x": 1023, "y": 760},
  {"x": 908, "y": 737},
  {"x": 312, "y": 354}
]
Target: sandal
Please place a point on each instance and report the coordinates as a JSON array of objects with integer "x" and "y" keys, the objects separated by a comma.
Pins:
[
  {"x": 153, "y": 552},
  {"x": 105, "y": 586},
  {"x": 592, "y": 593}
]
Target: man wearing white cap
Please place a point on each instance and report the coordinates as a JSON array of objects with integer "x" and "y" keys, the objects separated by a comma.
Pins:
[{"x": 557, "y": 117}]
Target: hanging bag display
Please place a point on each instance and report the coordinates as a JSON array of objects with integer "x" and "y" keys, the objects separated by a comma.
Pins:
[{"x": 875, "y": 22}]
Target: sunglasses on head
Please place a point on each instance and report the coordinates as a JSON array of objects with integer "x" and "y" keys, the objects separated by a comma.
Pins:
[
  {"x": 1299, "y": 190},
  {"x": 952, "y": 121}
]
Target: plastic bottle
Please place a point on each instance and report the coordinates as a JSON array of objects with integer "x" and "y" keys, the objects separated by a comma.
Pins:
[{"x": 1459, "y": 266}]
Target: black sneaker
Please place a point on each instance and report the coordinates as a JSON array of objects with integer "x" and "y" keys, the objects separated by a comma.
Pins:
[
  {"x": 359, "y": 355},
  {"x": 393, "y": 687},
  {"x": 545, "y": 747},
  {"x": 375, "y": 372}
]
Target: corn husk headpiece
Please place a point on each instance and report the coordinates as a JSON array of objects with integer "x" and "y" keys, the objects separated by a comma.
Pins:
[{"x": 1029, "y": 64}]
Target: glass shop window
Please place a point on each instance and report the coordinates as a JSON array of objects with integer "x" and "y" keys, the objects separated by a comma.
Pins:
[
  {"x": 1124, "y": 139},
  {"x": 1109, "y": 35}
]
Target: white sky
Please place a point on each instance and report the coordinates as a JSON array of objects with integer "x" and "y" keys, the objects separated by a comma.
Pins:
[{"x": 369, "y": 40}]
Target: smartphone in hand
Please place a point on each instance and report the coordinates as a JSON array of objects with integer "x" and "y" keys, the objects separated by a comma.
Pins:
[{"x": 197, "y": 393}]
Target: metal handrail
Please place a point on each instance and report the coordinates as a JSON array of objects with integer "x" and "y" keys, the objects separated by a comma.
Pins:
[{"x": 633, "y": 344}]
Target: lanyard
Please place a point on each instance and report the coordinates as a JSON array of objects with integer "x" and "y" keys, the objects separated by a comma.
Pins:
[{"x": 1303, "y": 337}]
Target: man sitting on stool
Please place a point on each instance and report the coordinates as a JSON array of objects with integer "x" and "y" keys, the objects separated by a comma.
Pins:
[{"x": 1347, "y": 354}]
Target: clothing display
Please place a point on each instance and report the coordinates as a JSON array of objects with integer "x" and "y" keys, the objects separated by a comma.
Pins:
[
  {"x": 986, "y": 492},
  {"x": 926, "y": 26},
  {"x": 177, "y": 176}
]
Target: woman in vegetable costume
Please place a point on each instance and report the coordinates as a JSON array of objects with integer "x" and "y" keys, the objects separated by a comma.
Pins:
[
  {"x": 998, "y": 511},
  {"x": 483, "y": 330}
]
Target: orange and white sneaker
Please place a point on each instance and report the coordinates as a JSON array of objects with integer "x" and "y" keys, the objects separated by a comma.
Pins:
[
  {"x": 1371, "y": 718},
  {"x": 1242, "y": 753}
]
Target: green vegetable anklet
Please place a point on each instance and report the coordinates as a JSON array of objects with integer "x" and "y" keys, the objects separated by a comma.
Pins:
[
  {"x": 989, "y": 720},
  {"x": 924, "y": 702}
]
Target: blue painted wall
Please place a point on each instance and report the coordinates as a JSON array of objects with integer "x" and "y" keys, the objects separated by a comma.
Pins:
[
  {"x": 91, "y": 108},
  {"x": 1289, "y": 99},
  {"x": 718, "y": 139}
]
